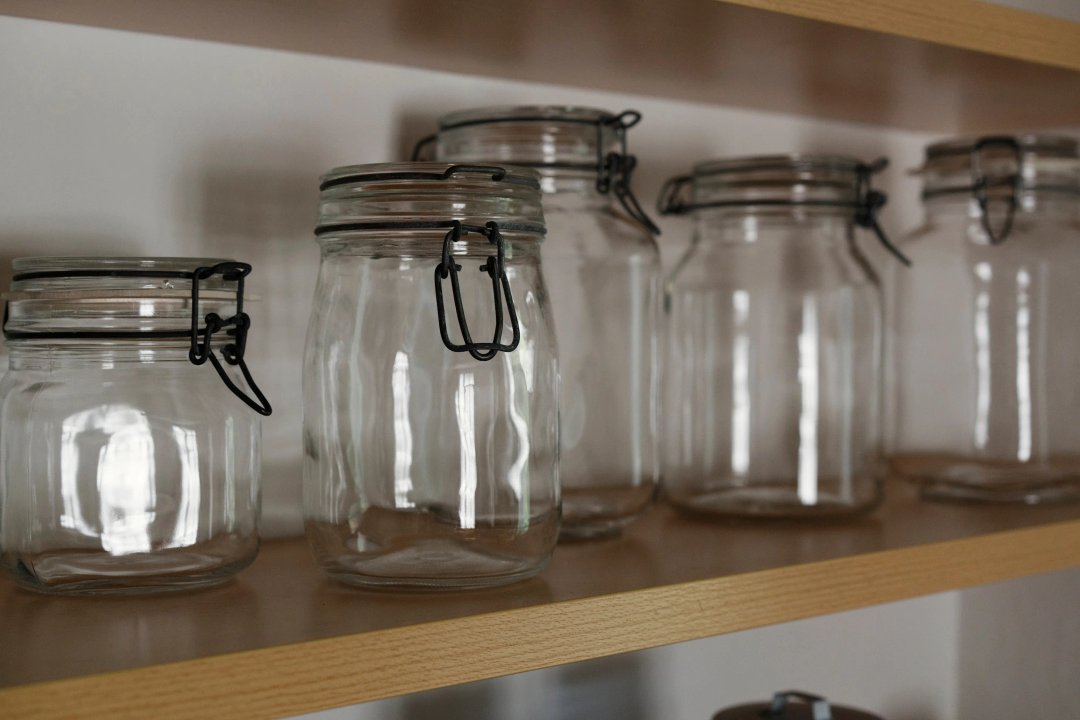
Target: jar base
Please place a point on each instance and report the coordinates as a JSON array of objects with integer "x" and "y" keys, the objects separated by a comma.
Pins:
[
  {"x": 769, "y": 503},
  {"x": 417, "y": 550},
  {"x": 952, "y": 479},
  {"x": 80, "y": 572},
  {"x": 596, "y": 513}
]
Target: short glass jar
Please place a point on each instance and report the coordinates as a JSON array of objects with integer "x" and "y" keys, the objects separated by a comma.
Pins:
[
  {"x": 985, "y": 341},
  {"x": 124, "y": 467},
  {"x": 773, "y": 383},
  {"x": 602, "y": 272},
  {"x": 431, "y": 457}
]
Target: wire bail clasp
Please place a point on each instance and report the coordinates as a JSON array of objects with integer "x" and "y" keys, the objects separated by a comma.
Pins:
[
  {"x": 869, "y": 201},
  {"x": 615, "y": 169},
  {"x": 980, "y": 184},
  {"x": 675, "y": 196},
  {"x": 236, "y": 328},
  {"x": 495, "y": 267}
]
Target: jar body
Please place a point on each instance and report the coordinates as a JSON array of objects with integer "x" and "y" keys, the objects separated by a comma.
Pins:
[
  {"x": 603, "y": 273},
  {"x": 603, "y": 276},
  {"x": 984, "y": 347},
  {"x": 423, "y": 467},
  {"x": 774, "y": 369},
  {"x": 125, "y": 468}
]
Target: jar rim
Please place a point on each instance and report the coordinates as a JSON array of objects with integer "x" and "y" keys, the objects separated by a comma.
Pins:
[
  {"x": 393, "y": 173},
  {"x": 796, "y": 162},
  {"x": 1043, "y": 144},
  {"x": 85, "y": 277},
  {"x": 524, "y": 113}
]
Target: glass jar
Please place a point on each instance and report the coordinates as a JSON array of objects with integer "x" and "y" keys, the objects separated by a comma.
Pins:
[
  {"x": 430, "y": 457},
  {"x": 123, "y": 465},
  {"x": 774, "y": 373},
  {"x": 985, "y": 339},
  {"x": 602, "y": 271}
]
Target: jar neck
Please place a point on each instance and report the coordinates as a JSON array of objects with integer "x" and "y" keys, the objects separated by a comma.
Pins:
[
  {"x": 571, "y": 191},
  {"x": 804, "y": 227},
  {"x": 45, "y": 355},
  {"x": 1050, "y": 205}
]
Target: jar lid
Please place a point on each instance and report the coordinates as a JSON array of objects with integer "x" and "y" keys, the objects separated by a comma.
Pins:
[
  {"x": 418, "y": 195},
  {"x": 999, "y": 172},
  {"x": 778, "y": 183},
  {"x": 134, "y": 299},
  {"x": 808, "y": 707},
  {"x": 570, "y": 142}
]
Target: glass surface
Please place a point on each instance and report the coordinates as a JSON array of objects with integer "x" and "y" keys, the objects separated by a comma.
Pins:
[
  {"x": 773, "y": 375},
  {"x": 123, "y": 467},
  {"x": 426, "y": 468},
  {"x": 602, "y": 271},
  {"x": 984, "y": 340}
]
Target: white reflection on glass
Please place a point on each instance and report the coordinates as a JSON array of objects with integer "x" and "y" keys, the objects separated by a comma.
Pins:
[
  {"x": 464, "y": 406},
  {"x": 1023, "y": 366},
  {"x": 740, "y": 384},
  {"x": 186, "y": 531},
  {"x": 982, "y": 357},
  {"x": 119, "y": 439},
  {"x": 516, "y": 476},
  {"x": 403, "y": 439},
  {"x": 808, "y": 415}
]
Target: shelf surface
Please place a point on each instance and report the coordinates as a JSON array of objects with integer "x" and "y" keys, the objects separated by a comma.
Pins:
[
  {"x": 941, "y": 65},
  {"x": 283, "y": 640}
]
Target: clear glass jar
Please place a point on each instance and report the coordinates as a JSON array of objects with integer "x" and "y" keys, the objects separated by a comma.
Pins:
[
  {"x": 983, "y": 326},
  {"x": 602, "y": 271},
  {"x": 124, "y": 467},
  {"x": 430, "y": 461},
  {"x": 773, "y": 381}
]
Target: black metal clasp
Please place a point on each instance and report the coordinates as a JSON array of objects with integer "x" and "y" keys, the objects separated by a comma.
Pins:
[
  {"x": 615, "y": 169},
  {"x": 495, "y": 267},
  {"x": 675, "y": 196},
  {"x": 980, "y": 184},
  {"x": 869, "y": 201},
  {"x": 236, "y": 328}
]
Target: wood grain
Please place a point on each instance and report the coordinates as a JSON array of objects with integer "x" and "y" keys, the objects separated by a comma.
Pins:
[
  {"x": 941, "y": 65},
  {"x": 282, "y": 640},
  {"x": 969, "y": 24}
]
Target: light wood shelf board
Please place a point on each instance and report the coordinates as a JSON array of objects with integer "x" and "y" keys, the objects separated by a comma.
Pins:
[
  {"x": 981, "y": 26},
  {"x": 887, "y": 62},
  {"x": 283, "y": 641}
]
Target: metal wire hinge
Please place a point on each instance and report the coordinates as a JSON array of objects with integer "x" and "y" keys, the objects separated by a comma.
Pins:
[
  {"x": 980, "y": 184},
  {"x": 235, "y": 327},
  {"x": 495, "y": 267}
]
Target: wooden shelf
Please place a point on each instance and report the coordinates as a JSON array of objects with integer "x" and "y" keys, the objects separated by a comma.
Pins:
[
  {"x": 941, "y": 65},
  {"x": 284, "y": 640}
]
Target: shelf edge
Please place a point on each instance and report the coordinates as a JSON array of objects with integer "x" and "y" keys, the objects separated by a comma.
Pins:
[
  {"x": 334, "y": 672},
  {"x": 999, "y": 30}
]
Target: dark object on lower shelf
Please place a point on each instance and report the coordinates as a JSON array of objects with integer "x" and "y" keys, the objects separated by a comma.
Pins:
[{"x": 808, "y": 707}]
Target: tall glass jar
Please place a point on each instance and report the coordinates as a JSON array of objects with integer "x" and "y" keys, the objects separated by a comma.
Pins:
[
  {"x": 602, "y": 271},
  {"x": 430, "y": 455},
  {"x": 985, "y": 339},
  {"x": 124, "y": 467},
  {"x": 773, "y": 379}
]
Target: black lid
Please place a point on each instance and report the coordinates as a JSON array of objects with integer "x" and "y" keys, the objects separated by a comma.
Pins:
[{"x": 794, "y": 705}]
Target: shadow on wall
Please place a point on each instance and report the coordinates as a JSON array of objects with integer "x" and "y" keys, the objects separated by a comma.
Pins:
[
  {"x": 476, "y": 701},
  {"x": 614, "y": 688},
  {"x": 254, "y": 200}
]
